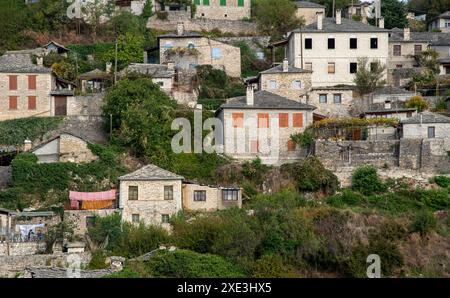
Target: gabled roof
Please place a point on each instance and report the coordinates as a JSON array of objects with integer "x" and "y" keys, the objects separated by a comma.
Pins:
[
  {"x": 265, "y": 100},
  {"x": 150, "y": 172},
  {"x": 434, "y": 38},
  {"x": 94, "y": 74},
  {"x": 391, "y": 90},
  {"x": 279, "y": 69},
  {"x": 445, "y": 15},
  {"x": 155, "y": 70},
  {"x": 60, "y": 46},
  {"x": 185, "y": 34},
  {"x": 427, "y": 117},
  {"x": 20, "y": 63},
  {"x": 329, "y": 25},
  {"x": 307, "y": 4}
]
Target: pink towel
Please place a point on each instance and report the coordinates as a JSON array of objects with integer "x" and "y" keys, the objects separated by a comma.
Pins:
[{"x": 92, "y": 196}]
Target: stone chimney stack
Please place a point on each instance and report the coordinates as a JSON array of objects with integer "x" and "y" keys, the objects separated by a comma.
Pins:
[
  {"x": 406, "y": 34},
  {"x": 319, "y": 20},
  {"x": 40, "y": 61},
  {"x": 27, "y": 144},
  {"x": 387, "y": 105},
  {"x": 180, "y": 29},
  {"x": 338, "y": 17},
  {"x": 285, "y": 65},
  {"x": 108, "y": 67},
  {"x": 250, "y": 95},
  {"x": 381, "y": 23}
]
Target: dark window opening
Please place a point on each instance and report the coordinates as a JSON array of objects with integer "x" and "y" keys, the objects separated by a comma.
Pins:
[
  {"x": 374, "y": 43},
  {"x": 308, "y": 43},
  {"x": 353, "y": 43},
  {"x": 353, "y": 67},
  {"x": 331, "y": 43}
]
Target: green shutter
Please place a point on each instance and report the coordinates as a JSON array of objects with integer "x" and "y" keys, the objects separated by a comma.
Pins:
[
  {"x": 223, "y": 2},
  {"x": 205, "y": 2},
  {"x": 197, "y": 2},
  {"x": 240, "y": 2}
]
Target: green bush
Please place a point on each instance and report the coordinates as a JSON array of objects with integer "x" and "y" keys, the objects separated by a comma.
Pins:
[
  {"x": 189, "y": 264},
  {"x": 423, "y": 223},
  {"x": 15, "y": 132},
  {"x": 365, "y": 180},
  {"x": 98, "y": 260},
  {"x": 347, "y": 198},
  {"x": 442, "y": 181},
  {"x": 270, "y": 266}
]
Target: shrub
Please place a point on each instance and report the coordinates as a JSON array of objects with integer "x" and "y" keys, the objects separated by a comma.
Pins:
[
  {"x": 417, "y": 102},
  {"x": 270, "y": 266},
  {"x": 347, "y": 198},
  {"x": 423, "y": 223},
  {"x": 365, "y": 180},
  {"x": 442, "y": 181},
  {"x": 98, "y": 260},
  {"x": 15, "y": 132}
]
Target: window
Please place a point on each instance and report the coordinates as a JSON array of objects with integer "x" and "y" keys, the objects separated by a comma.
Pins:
[
  {"x": 12, "y": 82},
  {"x": 216, "y": 53},
  {"x": 135, "y": 218},
  {"x": 308, "y": 65},
  {"x": 353, "y": 67},
  {"x": 322, "y": 98},
  {"x": 168, "y": 45},
  {"x": 133, "y": 193},
  {"x": 263, "y": 120},
  {"x": 308, "y": 43},
  {"x": 374, "y": 43},
  {"x": 290, "y": 145},
  {"x": 223, "y": 2},
  {"x": 254, "y": 146},
  {"x": 417, "y": 49},
  {"x": 431, "y": 132},
  {"x": 205, "y": 2},
  {"x": 272, "y": 84},
  {"x": 32, "y": 102},
  {"x": 238, "y": 119},
  {"x": 399, "y": 66},
  {"x": 165, "y": 218},
  {"x": 283, "y": 120},
  {"x": 397, "y": 50},
  {"x": 331, "y": 67},
  {"x": 90, "y": 221},
  {"x": 240, "y": 2},
  {"x": 32, "y": 82},
  {"x": 199, "y": 195},
  {"x": 353, "y": 43},
  {"x": 331, "y": 43},
  {"x": 191, "y": 45},
  {"x": 408, "y": 114},
  {"x": 373, "y": 66},
  {"x": 230, "y": 194},
  {"x": 337, "y": 98},
  {"x": 161, "y": 84},
  {"x": 298, "y": 120},
  {"x": 296, "y": 84},
  {"x": 168, "y": 192},
  {"x": 13, "y": 102}
]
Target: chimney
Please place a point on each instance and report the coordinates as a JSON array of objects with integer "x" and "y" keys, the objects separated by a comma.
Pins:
[
  {"x": 406, "y": 34},
  {"x": 381, "y": 23},
  {"x": 285, "y": 65},
  {"x": 108, "y": 67},
  {"x": 338, "y": 17},
  {"x": 250, "y": 95},
  {"x": 145, "y": 57},
  {"x": 180, "y": 29},
  {"x": 387, "y": 105},
  {"x": 27, "y": 144},
  {"x": 364, "y": 19},
  {"x": 319, "y": 20},
  {"x": 40, "y": 61}
]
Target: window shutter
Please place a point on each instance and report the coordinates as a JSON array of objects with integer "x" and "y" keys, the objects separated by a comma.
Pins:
[
  {"x": 238, "y": 119},
  {"x": 13, "y": 102},
  {"x": 32, "y": 102},
  {"x": 298, "y": 120},
  {"x": 283, "y": 120},
  {"x": 32, "y": 82},
  {"x": 290, "y": 145},
  {"x": 263, "y": 120},
  {"x": 12, "y": 82}
]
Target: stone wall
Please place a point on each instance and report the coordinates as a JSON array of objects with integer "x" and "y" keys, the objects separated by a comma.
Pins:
[
  {"x": 79, "y": 218},
  {"x": 21, "y": 248},
  {"x": 231, "y": 10},
  {"x": 285, "y": 84},
  {"x": 85, "y": 105},
  {"x": 10, "y": 266},
  {"x": 74, "y": 149},
  {"x": 225, "y": 26}
]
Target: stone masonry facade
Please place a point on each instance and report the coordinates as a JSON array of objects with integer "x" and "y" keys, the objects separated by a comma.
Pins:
[
  {"x": 286, "y": 84},
  {"x": 222, "y": 9}
]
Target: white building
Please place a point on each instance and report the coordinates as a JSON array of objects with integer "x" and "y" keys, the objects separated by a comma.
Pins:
[
  {"x": 426, "y": 125},
  {"x": 330, "y": 47}
]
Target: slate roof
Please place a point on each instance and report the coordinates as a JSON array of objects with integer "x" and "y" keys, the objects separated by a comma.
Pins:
[
  {"x": 155, "y": 70},
  {"x": 265, "y": 100},
  {"x": 20, "y": 63},
  {"x": 279, "y": 69},
  {"x": 445, "y": 15},
  {"x": 184, "y": 35},
  {"x": 391, "y": 90},
  {"x": 427, "y": 117},
  {"x": 94, "y": 74},
  {"x": 329, "y": 25},
  {"x": 435, "y": 38},
  {"x": 307, "y": 4},
  {"x": 58, "y": 45},
  {"x": 151, "y": 172}
]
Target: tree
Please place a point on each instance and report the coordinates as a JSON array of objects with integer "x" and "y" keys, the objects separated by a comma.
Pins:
[
  {"x": 394, "y": 13},
  {"x": 367, "y": 79},
  {"x": 48, "y": 15},
  {"x": 95, "y": 13},
  {"x": 417, "y": 102},
  {"x": 428, "y": 59},
  {"x": 13, "y": 20},
  {"x": 432, "y": 8},
  {"x": 129, "y": 50},
  {"x": 126, "y": 22},
  {"x": 276, "y": 18}
]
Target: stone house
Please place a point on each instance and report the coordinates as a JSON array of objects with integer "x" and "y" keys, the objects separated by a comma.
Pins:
[
  {"x": 332, "y": 101},
  {"x": 441, "y": 43},
  {"x": 284, "y": 80},
  {"x": 223, "y": 9},
  {"x": 362, "y": 10},
  {"x": 150, "y": 195},
  {"x": 330, "y": 47},
  {"x": 426, "y": 125},
  {"x": 260, "y": 124},
  {"x": 441, "y": 22},
  {"x": 161, "y": 74},
  {"x": 188, "y": 49},
  {"x": 390, "y": 93},
  {"x": 65, "y": 147},
  {"x": 308, "y": 10},
  {"x": 210, "y": 198},
  {"x": 83, "y": 219}
]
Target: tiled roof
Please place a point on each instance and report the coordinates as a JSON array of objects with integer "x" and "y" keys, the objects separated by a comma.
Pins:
[
  {"x": 151, "y": 172},
  {"x": 307, "y": 4},
  {"x": 279, "y": 69},
  {"x": 427, "y": 117},
  {"x": 329, "y": 25},
  {"x": 266, "y": 100},
  {"x": 155, "y": 70},
  {"x": 20, "y": 63}
]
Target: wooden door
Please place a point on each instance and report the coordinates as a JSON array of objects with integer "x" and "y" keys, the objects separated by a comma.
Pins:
[{"x": 60, "y": 105}]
